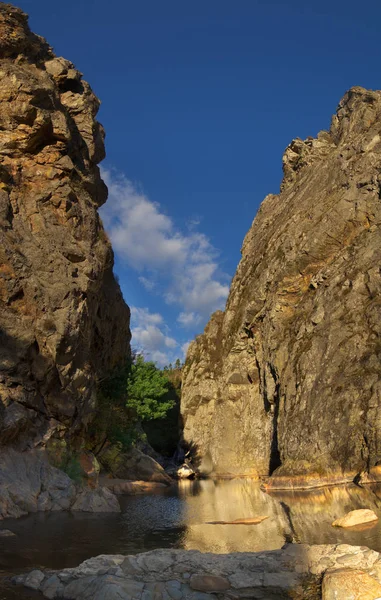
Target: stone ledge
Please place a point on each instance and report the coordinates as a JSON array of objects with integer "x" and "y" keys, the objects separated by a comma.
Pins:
[{"x": 295, "y": 571}]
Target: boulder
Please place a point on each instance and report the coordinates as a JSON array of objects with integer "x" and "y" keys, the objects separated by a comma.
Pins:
[
  {"x": 356, "y": 517},
  {"x": 96, "y": 500},
  {"x": 132, "y": 465},
  {"x": 348, "y": 584},
  {"x": 183, "y": 472}
]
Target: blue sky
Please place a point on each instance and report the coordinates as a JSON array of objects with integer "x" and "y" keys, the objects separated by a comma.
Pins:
[{"x": 199, "y": 101}]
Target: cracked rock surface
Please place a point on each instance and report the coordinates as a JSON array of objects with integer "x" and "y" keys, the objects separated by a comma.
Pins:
[
  {"x": 191, "y": 575},
  {"x": 287, "y": 380},
  {"x": 63, "y": 322}
]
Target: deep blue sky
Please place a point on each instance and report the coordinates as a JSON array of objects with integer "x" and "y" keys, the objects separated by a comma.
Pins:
[{"x": 199, "y": 100}]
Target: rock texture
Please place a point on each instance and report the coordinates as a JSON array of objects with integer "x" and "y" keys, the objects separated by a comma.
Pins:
[
  {"x": 133, "y": 465},
  {"x": 28, "y": 483},
  {"x": 287, "y": 379},
  {"x": 293, "y": 572},
  {"x": 63, "y": 322}
]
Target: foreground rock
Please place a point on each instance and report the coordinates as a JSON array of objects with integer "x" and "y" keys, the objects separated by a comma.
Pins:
[
  {"x": 347, "y": 584},
  {"x": 63, "y": 322},
  {"x": 282, "y": 380},
  {"x": 356, "y": 517},
  {"x": 28, "y": 483},
  {"x": 191, "y": 575}
]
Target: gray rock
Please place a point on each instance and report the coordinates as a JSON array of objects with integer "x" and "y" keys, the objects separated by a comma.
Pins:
[
  {"x": 96, "y": 500},
  {"x": 161, "y": 575},
  {"x": 52, "y": 587},
  {"x": 34, "y": 580}
]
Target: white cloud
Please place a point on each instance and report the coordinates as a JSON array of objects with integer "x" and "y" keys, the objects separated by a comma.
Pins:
[
  {"x": 147, "y": 283},
  {"x": 184, "y": 264},
  {"x": 190, "y": 319},
  {"x": 143, "y": 316},
  {"x": 184, "y": 348},
  {"x": 148, "y": 336}
]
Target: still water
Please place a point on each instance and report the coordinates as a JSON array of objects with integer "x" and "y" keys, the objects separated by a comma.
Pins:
[{"x": 178, "y": 518}]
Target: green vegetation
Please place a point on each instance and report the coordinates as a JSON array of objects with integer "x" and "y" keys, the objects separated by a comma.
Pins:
[
  {"x": 138, "y": 393},
  {"x": 71, "y": 466},
  {"x": 61, "y": 457},
  {"x": 147, "y": 389},
  {"x": 163, "y": 434}
]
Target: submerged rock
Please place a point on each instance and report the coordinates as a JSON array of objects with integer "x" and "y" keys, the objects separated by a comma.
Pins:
[
  {"x": 6, "y": 533},
  {"x": 287, "y": 381},
  {"x": 191, "y": 575}
]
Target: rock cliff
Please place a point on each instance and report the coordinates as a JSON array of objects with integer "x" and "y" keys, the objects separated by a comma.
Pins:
[
  {"x": 63, "y": 322},
  {"x": 288, "y": 379}
]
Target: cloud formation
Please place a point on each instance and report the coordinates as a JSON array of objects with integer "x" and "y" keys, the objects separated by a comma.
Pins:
[
  {"x": 149, "y": 335},
  {"x": 182, "y": 266}
]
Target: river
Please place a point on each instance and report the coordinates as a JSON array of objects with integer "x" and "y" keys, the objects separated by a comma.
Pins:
[{"x": 179, "y": 517}]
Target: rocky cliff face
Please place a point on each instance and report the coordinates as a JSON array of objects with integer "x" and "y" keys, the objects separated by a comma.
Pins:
[
  {"x": 63, "y": 322},
  {"x": 288, "y": 378}
]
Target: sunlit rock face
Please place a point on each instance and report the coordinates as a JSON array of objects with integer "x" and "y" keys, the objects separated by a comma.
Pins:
[
  {"x": 287, "y": 379},
  {"x": 63, "y": 322}
]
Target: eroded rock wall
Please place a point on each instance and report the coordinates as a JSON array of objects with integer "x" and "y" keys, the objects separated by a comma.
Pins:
[
  {"x": 288, "y": 378},
  {"x": 63, "y": 322}
]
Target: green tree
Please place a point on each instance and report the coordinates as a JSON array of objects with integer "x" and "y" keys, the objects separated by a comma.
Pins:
[{"x": 147, "y": 387}]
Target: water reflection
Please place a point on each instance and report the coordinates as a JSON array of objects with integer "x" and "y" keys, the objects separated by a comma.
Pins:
[
  {"x": 227, "y": 501},
  {"x": 177, "y": 518}
]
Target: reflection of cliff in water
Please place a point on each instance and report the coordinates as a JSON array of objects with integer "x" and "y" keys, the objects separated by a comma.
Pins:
[
  {"x": 303, "y": 517},
  {"x": 312, "y": 512},
  {"x": 226, "y": 501}
]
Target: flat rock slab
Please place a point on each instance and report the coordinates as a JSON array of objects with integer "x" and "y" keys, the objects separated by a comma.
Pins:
[
  {"x": 252, "y": 521},
  {"x": 131, "y": 488},
  {"x": 356, "y": 517},
  {"x": 192, "y": 575},
  {"x": 347, "y": 584},
  {"x": 209, "y": 583}
]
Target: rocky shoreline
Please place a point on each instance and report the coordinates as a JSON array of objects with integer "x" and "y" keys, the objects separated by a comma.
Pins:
[{"x": 296, "y": 571}]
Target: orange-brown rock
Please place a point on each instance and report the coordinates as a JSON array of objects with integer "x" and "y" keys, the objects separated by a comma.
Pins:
[
  {"x": 63, "y": 322},
  {"x": 348, "y": 584},
  {"x": 287, "y": 380}
]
